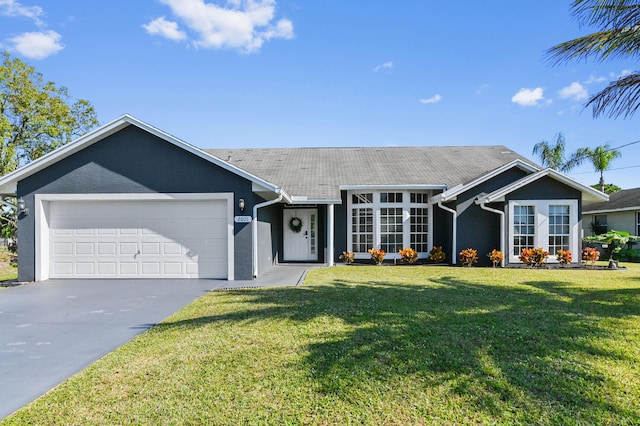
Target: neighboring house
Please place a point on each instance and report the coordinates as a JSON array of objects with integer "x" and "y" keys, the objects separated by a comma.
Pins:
[
  {"x": 130, "y": 201},
  {"x": 620, "y": 213}
]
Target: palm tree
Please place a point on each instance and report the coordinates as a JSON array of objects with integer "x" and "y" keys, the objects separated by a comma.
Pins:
[
  {"x": 619, "y": 37},
  {"x": 601, "y": 158},
  {"x": 552, "y": 155}
]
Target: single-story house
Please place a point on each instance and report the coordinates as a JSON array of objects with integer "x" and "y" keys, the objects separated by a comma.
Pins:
[
  {"x": 128, "y": 200},
  {"x": 620, "y": 213}
]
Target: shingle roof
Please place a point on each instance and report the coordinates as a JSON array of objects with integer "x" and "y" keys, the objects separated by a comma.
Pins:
[
  {"x": 625, "y": 199},
  {"x": 318, "y": 173}
]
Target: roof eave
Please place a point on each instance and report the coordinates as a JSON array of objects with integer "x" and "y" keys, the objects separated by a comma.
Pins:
[{"x": 8, "y": 183}]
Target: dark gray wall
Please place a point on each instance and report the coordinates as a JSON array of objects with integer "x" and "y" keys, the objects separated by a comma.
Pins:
[
  {"x": 269, "y": 219},
  {"x": 443, "y": 229},
  {"x": 134, "y": 161},
  {"x": 340, "y": 229},
  {"x": 546, "y": 189},
  {"x": 478, "y": 228}
]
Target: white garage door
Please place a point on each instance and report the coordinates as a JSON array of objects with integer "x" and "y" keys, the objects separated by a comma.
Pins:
[{"x": 138, "y": 239}]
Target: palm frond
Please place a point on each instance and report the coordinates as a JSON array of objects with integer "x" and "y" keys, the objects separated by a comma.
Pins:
[
  {"x": 602, "y": 45},
  {"x": 621, "y": 98},
  {"x": 607, "y": 13}
]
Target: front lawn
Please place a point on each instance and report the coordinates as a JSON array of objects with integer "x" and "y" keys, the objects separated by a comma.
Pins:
[
  {"x": 378, "y": 345},
  {"x": 8, "y": 266}
]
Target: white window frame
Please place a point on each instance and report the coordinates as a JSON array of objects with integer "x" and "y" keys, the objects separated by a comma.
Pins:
[
  {"x": 376, "y": 205},
  {"x": 541, "y": 237}
]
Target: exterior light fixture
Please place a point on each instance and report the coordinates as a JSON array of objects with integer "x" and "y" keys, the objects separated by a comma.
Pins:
[
  {"x": 21, "y": 207},
  {"x": 241, "y": 204}
]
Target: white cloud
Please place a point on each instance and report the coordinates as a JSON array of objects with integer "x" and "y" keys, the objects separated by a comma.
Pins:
[
  {"x": 13, "y": 8},
  {"x": 240, "y": 24},
  {"x": 529, "y": 97},
  {"x": 432, "y": 100},
  {"x": 482, "y": 88},
  {"x": 575, "y": 91},
  {"x": 386, "y": 66},
  {"x": 37, "y": 45},
  {"x": 594, "y": 79},
  {"x": 166, "y": 29}
]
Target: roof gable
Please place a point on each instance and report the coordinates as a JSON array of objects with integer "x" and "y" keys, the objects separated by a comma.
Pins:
[
  {"x": 452, "y": 193},
  {"x": 8, "y": 183},
  {"x": 588, "y": 194}
]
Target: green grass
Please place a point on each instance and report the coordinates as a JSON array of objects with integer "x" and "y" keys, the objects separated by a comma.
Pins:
[
  {"x": 378, "y": 345},
  {"x": 8, "y": 266}
]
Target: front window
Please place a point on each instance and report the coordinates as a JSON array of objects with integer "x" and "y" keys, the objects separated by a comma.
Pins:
[
  {"x": 362, "y": 229},
  {"x": 638, "y": 223},
  {"x": 390, "y": 221},
  {"x": 523, "y": 228},
  {"x": 550, "y": 224},
  {"x": 559, "y": 229}
]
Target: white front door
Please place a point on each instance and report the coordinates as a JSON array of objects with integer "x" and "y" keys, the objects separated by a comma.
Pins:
[{"x": 300, "y": 229}]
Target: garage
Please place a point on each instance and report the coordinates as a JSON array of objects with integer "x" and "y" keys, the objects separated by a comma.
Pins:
[{"x": 144, "y": 236}]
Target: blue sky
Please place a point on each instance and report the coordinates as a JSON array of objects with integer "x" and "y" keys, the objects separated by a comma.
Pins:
[{"x": 291, "y": 73}]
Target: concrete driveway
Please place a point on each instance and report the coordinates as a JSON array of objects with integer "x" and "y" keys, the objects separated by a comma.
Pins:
[{"x": 53, "y": 329}]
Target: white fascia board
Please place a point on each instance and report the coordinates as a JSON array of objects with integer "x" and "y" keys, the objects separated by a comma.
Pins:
[
  {"x": 8, "y": 183},
  {"x": 621, "y": 209},
  {"x": 459, "y": 189},
  {"x": 588, "y": 193},
  {"x": 392, "y": 187},
  {"x": 322, "y": 201}
]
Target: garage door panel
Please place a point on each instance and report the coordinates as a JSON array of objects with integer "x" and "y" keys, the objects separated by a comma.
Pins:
[{"x": 131, "y": 239}]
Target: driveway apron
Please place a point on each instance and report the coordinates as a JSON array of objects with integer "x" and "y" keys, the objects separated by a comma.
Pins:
[{"x": 53, "y": 329}]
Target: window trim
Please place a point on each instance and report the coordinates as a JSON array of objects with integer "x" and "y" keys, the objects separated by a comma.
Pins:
[
  {"x": 376, "y": 205},
  {"x": 541, "y": 236}
]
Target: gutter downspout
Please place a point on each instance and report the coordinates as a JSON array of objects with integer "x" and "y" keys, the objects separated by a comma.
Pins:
[
  {"x": 454, "y": 247},
  {"x": 501, "y": 213},
  {"x": 254, "y": 231}
]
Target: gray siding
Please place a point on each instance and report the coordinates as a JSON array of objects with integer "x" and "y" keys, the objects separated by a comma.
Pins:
[
  {"x": 134, "y": 161},
  {"x": 478, "y": 228}
]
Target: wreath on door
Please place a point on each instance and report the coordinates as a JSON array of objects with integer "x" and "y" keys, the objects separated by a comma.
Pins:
[{"x": 295, "y": 224}]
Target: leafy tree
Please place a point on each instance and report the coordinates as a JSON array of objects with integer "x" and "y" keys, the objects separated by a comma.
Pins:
[
  {"x": 609, "y": 188},
  {"x": 552, "y": 154},
  {"x": 618, "y": 36},
  {"x": 601, "y": 158},
  {"x": 36, "y": 117}
]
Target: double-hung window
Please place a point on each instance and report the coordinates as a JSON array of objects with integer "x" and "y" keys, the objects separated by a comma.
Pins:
[{"x": 389, "y": 220}]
